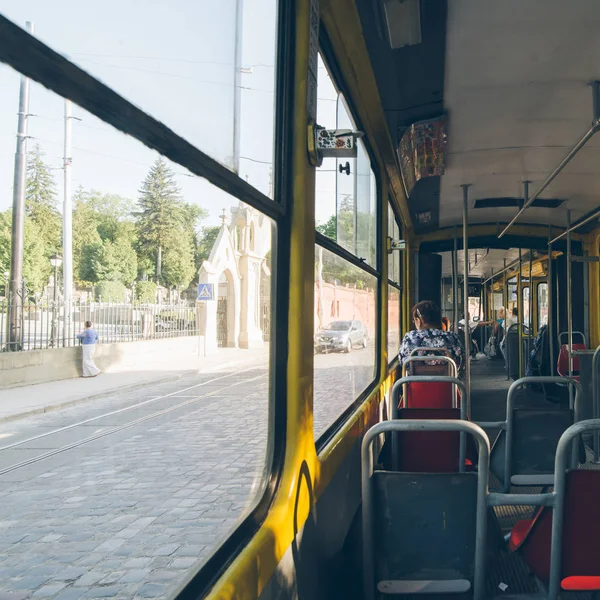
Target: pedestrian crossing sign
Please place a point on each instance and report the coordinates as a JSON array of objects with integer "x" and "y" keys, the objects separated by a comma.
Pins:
[{"x": 205, "y": 291}]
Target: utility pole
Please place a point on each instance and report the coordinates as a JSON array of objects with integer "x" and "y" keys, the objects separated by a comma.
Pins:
[
  {"x": 67, "y": 227},
  {"x": 18, "y": 216},
  {"x": 237, "y": 84}
]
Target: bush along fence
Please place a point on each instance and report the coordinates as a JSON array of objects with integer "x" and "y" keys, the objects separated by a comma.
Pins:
[{"x": 30, "y": 325}]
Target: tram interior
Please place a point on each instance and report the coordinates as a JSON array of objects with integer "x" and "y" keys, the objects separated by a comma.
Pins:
[{"x": 373, "y": 480}]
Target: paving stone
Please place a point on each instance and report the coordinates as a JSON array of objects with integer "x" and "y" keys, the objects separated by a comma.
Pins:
[
  {"x": 108, "y": 591},
  {"x": 27, "y": 583},
  {"x": 70, "y": 594},
  {"x": 47, "y": 591},
  {"x": 151, "y": 590},
  {"x": 135, "y": 576}
]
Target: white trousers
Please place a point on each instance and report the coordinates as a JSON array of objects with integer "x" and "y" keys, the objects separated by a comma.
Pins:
[{"x": 89, "y": 368}]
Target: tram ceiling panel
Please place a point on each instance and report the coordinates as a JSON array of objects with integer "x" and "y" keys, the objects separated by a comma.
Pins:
[
  {"x": 518, "y": 97},
  {"x": 410, "y": 80}
]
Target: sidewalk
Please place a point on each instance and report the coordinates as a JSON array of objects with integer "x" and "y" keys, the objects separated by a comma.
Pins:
[{"x": 28, "y": 400}]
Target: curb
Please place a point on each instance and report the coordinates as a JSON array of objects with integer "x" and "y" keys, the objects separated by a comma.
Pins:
[{"x": 112, "y": 392}]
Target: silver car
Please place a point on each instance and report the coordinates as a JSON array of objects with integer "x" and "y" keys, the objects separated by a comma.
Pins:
[{"x": 341, "y": 336}]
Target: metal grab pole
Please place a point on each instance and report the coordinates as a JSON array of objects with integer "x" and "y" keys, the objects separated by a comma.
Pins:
[
  {"x": 466, "y": 293},
  {"x": 550, "y": 304},
  {"x": 455, "y": 282},
  {"x": 569, "y": 300},
  {"x": 530, "y": 301},
  {"x": 520, "y": 312}
]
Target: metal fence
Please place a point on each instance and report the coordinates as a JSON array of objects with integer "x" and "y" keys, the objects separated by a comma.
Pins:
[{"x": 29, "y": 325}]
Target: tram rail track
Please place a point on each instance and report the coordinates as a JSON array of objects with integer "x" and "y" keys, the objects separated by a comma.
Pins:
[{"x": 118, "y": 428}]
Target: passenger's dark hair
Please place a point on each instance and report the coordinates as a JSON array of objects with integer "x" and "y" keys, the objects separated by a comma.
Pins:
[
  {"x": 515, "y": 312},
  {"x": 88, "y": 324},
  {"x": 429, "y": 313}
]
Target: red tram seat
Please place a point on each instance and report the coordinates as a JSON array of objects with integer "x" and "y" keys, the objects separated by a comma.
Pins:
[
  {"x": 580, "y": 569},
  {"x": 430, "y": 395},
  {"x": 562, "y": 367},
  {"x": 432, "y": 451}
]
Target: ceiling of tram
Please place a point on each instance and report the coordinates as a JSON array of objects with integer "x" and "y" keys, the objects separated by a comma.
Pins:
[
  {"x": 512, "y": 78},
  {"x": 517, "y": 95},
  {"x": 481, "y": 261}
]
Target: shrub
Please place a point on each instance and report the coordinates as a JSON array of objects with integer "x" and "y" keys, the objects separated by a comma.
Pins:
[
  {"x": 110, "y": 291},
  {"x": 145, "y": 291}
]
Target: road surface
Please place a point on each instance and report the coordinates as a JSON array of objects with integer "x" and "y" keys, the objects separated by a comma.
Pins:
[{"x": 124, "y": 496}]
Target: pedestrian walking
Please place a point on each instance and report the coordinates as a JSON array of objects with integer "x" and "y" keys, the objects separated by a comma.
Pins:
[{"x": 88, "y": 338}]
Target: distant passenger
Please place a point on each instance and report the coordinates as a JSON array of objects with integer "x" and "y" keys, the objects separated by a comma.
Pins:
[
  {"x": 427, "y": 318},
  {"x": 88, "y": 338},
  {"x": 445, "y": 324}
]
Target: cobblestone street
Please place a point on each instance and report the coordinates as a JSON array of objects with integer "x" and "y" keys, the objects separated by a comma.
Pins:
[{"x": 124, "y": 496}]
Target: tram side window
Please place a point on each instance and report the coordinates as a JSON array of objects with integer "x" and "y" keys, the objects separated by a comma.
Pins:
[
  {"x": 345, "y": 336},
  {"x": 542, "y": 304},
  {"x": 182, "y": 268},
  {"x": 345, "y": 290},
  {"x": 394, "y": 311},
  {"x": 346, "y": 199}
]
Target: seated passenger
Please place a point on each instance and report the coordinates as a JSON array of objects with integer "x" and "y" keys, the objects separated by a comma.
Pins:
[
  {"x": 427, "y": 318},
  {"x": 445, "y": 324}
]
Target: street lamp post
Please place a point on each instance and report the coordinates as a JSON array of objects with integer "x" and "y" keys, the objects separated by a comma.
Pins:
[{"x": 55, "y": 261}]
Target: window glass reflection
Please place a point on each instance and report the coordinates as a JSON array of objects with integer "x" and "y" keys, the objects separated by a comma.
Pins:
[
  {"x": 206, "y": 70},
  {"x": 175, "y": 275},
  {"x": 345, "y": 336},
  {"x": 393, "y": 323}
]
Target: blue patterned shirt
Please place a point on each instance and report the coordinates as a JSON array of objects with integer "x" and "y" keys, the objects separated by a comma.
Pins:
[{"x": 432, "y": 338}]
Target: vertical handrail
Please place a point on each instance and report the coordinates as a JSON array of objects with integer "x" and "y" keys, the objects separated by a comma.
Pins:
[
  {"x": 467, "y": 331},
  {"x": 569, "y": 301},
  {"x": 520, "y": 319},
  {"x": 482, "y": 491},
  {"x": 596, "y": 398},
  {"x": 550, "y": 303}
]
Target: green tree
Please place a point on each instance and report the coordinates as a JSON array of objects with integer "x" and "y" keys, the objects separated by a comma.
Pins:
[
  {"x": 115, "y": 261},
  {"x": 104, "y": 238},
  {"x": 40, "y": 201},
  {"x": 206, "y": 241},
  {"x": 161, "y": 215},
  {"x": 329, "y": 228},
  {"x": 36, "y": 266},
  {"x": 166, "y": 227}
]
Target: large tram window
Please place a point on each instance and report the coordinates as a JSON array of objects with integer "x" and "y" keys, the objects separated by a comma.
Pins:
[
  {"x": 346, "y": 192},
  {"x": 393, "y": 289},
  {"x": 131, "y": 491},
  {"x": 394, "y": 257},
  {"x": 345, "y": 335},
  {"x": 542, "y": 304},
  {"x": 200, "y": 68},
  {"x": 393, "y": 323}
]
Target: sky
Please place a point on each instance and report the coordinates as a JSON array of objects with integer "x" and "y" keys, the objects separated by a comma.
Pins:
[{"x": 175, "y": 60}]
